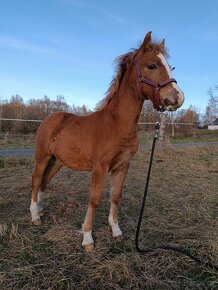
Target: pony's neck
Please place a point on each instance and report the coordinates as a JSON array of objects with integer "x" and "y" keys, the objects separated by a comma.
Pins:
[{"x": 126, "y": 104}]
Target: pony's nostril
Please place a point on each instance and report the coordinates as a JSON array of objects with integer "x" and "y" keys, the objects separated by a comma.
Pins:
[
  {"x": 176, "y": 102},
  {"x": 167, "y": 102}
]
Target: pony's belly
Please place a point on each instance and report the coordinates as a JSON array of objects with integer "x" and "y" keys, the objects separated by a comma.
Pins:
[
  {"x": 75, "y": 164},
  {"x": 74, "y": 159}
]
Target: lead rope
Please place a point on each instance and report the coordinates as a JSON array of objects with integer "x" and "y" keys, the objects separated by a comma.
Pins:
[{"x": 162, "y": 247}]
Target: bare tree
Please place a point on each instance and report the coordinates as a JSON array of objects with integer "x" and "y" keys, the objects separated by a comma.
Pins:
[
  {"x": 211, "y": 112},
  {"x": 82, "y": 111}
]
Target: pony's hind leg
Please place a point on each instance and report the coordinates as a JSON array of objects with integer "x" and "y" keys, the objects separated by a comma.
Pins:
[
  {"x": 37, "y": 196},
  {"x": 117, "y": 179},
  {"x": 98, "y": 177},
  {"x": 51, "y": 170}
]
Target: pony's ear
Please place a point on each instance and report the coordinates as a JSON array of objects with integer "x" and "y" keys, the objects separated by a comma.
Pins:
[
  {"x": 146, "y": 41},
  {"x": 162, "y": 45}
]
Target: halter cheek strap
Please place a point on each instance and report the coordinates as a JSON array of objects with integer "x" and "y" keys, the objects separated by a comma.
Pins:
[{"x": 156, "y": 85}]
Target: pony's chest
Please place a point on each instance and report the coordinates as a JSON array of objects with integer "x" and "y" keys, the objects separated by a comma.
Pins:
[
  {"x": 121, "y": 160},
  {"x": 124, "y": 156}
]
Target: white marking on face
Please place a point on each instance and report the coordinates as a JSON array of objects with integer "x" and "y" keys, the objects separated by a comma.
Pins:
[
  {"x": 87, "y": 238},
  {"x": 165, "y": 63},
  {"x": 116, "y": 231},
  {"x": 34, "y": 211},
  {"x": 176, "y": 87}
]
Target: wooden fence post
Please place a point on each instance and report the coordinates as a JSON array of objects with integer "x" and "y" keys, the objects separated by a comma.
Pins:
[{"x": 162, "y": 127}]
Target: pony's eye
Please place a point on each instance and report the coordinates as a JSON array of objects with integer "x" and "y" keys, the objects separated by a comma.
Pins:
[{"x": 152, "y": 66}]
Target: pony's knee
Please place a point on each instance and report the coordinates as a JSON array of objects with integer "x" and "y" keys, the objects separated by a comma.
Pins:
[
  {"x": 115, "y": 201},
  {"x": 95, "y": 201}
]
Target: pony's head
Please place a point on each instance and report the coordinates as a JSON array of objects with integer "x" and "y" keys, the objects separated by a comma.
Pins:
[{"x": 154, "y": 74}]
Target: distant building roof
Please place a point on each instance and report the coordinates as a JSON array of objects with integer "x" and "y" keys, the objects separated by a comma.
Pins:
[{"x": 216, "y": 122}]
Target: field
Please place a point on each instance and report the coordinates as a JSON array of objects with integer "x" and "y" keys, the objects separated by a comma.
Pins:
[{"x": 182, "y": 210}]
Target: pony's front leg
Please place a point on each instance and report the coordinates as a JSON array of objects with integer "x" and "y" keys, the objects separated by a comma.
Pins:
[
  {"x": 98, "y": 177},
  {"x": 117, "y": 179}
]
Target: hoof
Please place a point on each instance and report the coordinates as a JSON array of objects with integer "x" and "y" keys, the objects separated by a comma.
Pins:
[
  {"x": 88, "y": 247},
  {"x": 37, "y": 222},
  {"x": 119, "y": 238}
]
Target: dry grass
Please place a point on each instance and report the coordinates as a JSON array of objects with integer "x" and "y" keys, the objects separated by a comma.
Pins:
[{"x": 182, "y": 210}]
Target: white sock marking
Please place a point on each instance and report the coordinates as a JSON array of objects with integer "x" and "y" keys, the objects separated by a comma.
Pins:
[
  {"x": 34, "y": 211},
  {"x": 87, "y": 238},
  {"x": 116, "y": 231}
]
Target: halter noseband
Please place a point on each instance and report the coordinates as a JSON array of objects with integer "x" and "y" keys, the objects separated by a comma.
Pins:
[{"x": 156, "y": 85}]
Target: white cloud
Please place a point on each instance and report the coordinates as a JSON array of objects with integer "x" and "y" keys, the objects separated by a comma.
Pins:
[
  {"x": 19, "y": 44},
  {"x": 61, "y": 54}
]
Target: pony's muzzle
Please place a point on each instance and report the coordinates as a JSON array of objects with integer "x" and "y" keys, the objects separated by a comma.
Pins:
[{"x": 172, "y": 99}]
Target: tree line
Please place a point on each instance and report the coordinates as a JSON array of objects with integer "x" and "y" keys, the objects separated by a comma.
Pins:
[
  {"x": 38, "y": 109},
  {"x": 34, "y": 109}
]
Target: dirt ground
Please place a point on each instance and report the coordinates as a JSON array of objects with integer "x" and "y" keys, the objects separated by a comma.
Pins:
[{"x": 182, "y": 210}]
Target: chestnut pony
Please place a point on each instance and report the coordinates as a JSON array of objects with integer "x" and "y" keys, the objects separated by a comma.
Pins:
[{"x": 105, "y": 141}]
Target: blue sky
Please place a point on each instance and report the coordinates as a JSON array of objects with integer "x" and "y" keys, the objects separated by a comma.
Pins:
[{"x": 67, "y": 47}]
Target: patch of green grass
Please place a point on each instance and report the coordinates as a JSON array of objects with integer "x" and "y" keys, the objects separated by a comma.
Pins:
[
  {"x": 206, "y": 157},
  {"x": 2, "y": 163},
  {"x": 27, "y": 257},
  {"x": 23, "y": 141},
  {"x": 196, "y": 136},
  {"x": 42, "y": 246},
  {"x": 63, "y": 284},
  {"x": 201, "y": 280},
  {"x": 17, "y": 145}
]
